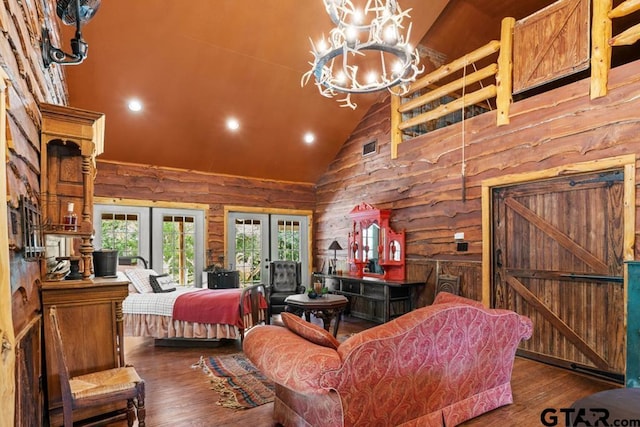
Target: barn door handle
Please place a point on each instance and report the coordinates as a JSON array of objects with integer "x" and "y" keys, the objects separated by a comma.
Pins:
[{"x": 499, "y": 258}]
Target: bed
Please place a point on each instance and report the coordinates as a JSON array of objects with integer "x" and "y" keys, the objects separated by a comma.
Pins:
[{"x": 156, "y": 307}]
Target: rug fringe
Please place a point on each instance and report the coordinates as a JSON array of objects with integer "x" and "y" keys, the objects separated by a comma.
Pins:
[
  {"x": 227, "y": 397},
  {"x": 219, "y": 385}
]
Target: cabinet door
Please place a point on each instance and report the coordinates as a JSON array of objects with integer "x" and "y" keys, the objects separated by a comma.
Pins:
[{"x": 29, "y": 398}]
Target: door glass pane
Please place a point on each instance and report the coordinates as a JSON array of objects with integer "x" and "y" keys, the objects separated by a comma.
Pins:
[
  {"x": 248, "y": 234},
  {"x": 121, "y": 232},
  {"x": 288, "y": 240},
  {"x": 178, "y": 247}
]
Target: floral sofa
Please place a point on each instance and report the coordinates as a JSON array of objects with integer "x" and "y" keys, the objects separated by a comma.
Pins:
[{"x": 438, "y": 365}]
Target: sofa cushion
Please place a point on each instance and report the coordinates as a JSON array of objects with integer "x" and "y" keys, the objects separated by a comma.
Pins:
[
  {"x": 277, "y": 298},
  {"x": 309, "y": 331}
]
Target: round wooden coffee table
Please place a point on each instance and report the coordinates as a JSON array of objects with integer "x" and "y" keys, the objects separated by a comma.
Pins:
[
  {"x": 619, "y": 404},
  {"x": 326, "y": 307}
]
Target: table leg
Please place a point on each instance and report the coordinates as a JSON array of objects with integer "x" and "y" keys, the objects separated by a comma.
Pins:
[
  {"x": 337, "y": 323},
  {"x": 326, "y": 316}
]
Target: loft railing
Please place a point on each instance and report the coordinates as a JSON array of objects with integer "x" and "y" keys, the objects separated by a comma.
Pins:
[
  {"x": 418, "y": 105},
  {"x": 602, "y": 40},
  {"x": 501, "y": 90},
  {"x": 632, "y": 34}
]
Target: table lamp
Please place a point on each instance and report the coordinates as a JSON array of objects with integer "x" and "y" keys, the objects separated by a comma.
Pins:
[{"x": 334, "y": 246}]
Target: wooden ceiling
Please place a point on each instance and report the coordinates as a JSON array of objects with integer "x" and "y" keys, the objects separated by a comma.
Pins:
[{"x": 194, "y": 64}]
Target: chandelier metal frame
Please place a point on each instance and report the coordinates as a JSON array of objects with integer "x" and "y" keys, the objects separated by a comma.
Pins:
[{"x": 334, "y": 65}]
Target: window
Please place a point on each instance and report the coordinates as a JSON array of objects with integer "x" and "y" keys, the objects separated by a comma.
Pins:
[
  {"x": 256, "y": 238},
  {"x": 288, "y": 241},
  {"x": 248, "y": 249},
  {"x": 171, "y": 240},
  {"x": 178, "y": 247},
  {"x": 121, "y": 232}
]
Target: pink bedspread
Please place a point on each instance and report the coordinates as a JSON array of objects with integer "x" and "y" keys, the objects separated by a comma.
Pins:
[{"x": 211, "y": 306}]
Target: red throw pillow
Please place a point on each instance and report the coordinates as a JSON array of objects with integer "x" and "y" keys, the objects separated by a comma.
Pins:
[{"x": 309, "y": 331}]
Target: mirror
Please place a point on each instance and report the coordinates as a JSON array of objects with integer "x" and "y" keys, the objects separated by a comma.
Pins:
[{"x": 375, "y": 249}]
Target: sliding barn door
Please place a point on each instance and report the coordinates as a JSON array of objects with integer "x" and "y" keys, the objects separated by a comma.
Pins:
[{"x": 557, "y": 258}]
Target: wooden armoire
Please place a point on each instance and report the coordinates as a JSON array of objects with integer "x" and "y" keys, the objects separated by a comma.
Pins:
[{"x": 89, "y": 309}]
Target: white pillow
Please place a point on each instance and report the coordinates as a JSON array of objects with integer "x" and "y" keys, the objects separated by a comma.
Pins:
[{"x": 140, "y": 279}]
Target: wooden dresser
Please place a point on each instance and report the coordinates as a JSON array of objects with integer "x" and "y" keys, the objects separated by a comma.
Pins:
[
  {"x": 90, "y": 315},
  {"x": 373, "y": 299}
]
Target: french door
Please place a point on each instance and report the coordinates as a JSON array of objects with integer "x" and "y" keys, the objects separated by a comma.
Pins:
[
  {"x": 256, "y": 239},
  {"x": 172, "y": 240}
]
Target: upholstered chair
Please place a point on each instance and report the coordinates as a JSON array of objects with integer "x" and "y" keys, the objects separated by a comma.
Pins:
[{"x": 284, "y": 281}]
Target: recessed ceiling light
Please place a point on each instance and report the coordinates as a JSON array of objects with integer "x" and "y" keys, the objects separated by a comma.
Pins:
[
  {"x": 135, "y": 105},
  {"x": 309, "y": 137},
  {"x": 233, "y": 124}
]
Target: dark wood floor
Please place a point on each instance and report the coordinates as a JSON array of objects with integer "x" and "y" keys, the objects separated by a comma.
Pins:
[{"x": 179, "y": 395}]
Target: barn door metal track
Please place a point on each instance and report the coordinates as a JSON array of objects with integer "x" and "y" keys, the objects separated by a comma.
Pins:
[
  {"x": 607, "y": 177},
  {"x": 617, "y": 279}
]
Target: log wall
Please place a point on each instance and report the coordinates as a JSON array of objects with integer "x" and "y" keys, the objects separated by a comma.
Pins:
[
  {"x": 424, "y": 185},
  {"x": 130, "y": 181},
  {"x": 29, "y": 84}
]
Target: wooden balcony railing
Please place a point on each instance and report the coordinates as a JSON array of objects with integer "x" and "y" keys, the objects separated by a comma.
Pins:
[
  {"x": 415, "y": 102},
  {"x": 501, "y": 90}
]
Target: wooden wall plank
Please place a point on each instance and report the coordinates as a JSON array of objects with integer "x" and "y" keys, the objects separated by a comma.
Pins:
[
  {"x": 423, "y": 186},
  {"x": 151, "y": 183},
  {"x": 29, "y": 84}
]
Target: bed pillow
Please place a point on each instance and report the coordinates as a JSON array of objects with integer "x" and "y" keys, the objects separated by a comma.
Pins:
[
  {"x": 162, "y": 283},
  {"x": 139, "y": 277},
  {"x": 132, "y": 289},
  {"x": 309, "y": 331}
]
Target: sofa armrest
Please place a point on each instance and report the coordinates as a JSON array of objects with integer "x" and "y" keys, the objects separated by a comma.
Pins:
[{"x": 289, "y": 359}]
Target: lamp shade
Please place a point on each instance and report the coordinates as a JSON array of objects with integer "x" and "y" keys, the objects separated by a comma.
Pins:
[{"x": 335, "y": 246}]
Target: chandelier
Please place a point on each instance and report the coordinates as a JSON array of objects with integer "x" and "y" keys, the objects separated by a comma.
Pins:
[{"x": 366, "y": 52}]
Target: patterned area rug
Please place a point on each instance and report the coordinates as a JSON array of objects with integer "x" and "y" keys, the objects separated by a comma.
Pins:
[{"x": 237, "y": 380}]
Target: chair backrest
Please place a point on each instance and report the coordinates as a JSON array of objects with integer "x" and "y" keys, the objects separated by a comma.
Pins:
[
  {"x": 448, "y": 283},
  {"x": 63, "y": 371},
  {"x": 285, "y": 276}
]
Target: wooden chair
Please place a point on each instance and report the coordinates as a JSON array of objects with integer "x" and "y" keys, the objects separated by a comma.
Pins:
[
  {"x": 96, "y": 388},
  {"x": 448, "y": 283}
]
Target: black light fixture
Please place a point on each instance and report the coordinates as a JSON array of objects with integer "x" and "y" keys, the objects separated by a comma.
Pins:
[
  {"x": 334, "y": 246},
  {"x": 70, "y": 12}
]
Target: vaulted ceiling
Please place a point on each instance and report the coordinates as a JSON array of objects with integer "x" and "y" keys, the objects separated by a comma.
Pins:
[{"x": 195, "y": 64}]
